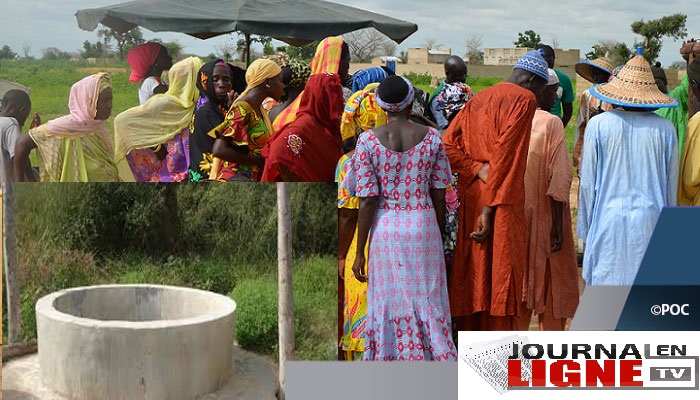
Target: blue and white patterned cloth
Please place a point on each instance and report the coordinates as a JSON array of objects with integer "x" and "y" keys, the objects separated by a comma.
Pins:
[{"x": 533, "y": 62}]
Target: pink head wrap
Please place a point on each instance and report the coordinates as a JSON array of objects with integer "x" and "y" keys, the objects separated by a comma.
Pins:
[
  {"x": 83, "y": 106},
  {"x": 140, "y": 59}
]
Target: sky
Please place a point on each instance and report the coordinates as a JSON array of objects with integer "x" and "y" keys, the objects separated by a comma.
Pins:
[{"x": 40, "y": 24}]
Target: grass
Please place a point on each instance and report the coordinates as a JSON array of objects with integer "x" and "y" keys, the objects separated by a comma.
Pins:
[{"x": 253, "y": 285}]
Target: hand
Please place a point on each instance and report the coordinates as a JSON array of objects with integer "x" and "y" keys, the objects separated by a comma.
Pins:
[
  {"x": 358, "y": 268},
  {"x": 36, "y": 121},
  {"x": 483, "y": 226},
  {"x": 484, "y": 172},
  {"x": 232, "y": 96},
  {"x": 557, "y": 238},
  {"x": 341, "y": 268}
]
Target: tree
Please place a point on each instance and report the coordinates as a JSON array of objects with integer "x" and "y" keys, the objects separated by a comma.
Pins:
[
  {"x": 367, "y": 43},
  {"x": 403, "y": 55},
  {"x": 431, "y": 43},
  {"x": 7, "y": 53},
  {"x": 388, "y": 48},
  {"x": 241, "y": 45},
  {"x": 528, "y": 39},
  {"x": 26, "y": 49},
  {"x": 305, "y": 52},
  {"x": 125, "y": 40},
  {"x": 52, "y": 53},
  {"x": 174, "y": 48},
  {"x": 475, "y": 43},
  {"x": 91, "y": 50},
  {"x": 652, "y": 32},
  {"x": 679, "y": 65},
  {"x": 225, "y": 50},
  {"x": 617, "y": 52},
  {"x": 555, "y": 41}
]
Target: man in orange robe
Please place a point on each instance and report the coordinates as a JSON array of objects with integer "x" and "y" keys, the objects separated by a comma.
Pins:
[
  {"x": 487, "y": 145},
  {"x": 550, "y": 285}
]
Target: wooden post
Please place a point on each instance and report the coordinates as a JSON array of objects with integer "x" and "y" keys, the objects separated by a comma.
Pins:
[
  {"x": 9, "y": 245},
  {"x": 247, "y": 50},
  {"x": 285, "y": 303}
]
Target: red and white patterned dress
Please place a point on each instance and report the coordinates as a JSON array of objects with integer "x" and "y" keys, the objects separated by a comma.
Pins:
[{"x": 408, "y": 314}]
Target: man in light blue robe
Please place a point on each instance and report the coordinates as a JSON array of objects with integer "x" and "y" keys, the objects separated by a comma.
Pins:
[{"x": 629, "y": 172}]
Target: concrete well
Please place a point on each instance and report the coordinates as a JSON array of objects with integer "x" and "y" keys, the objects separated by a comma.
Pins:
[{"x": 134, "y": 342}]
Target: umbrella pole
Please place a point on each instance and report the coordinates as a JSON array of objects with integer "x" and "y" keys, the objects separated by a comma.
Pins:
[{"x": 247, "y": 49}]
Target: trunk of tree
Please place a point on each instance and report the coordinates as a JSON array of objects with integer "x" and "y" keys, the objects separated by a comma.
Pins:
[
  {"x": 285, "y": 301},
  {"x": 9, "y": 245},
  {"x": 171, "y": 222}
]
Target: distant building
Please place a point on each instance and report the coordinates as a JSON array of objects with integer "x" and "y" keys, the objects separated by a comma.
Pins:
[
  {"x": 422, "y": 55},
  {"x": 509, "y": 56}
]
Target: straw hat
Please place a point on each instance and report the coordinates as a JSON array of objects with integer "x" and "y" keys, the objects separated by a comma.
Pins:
[
  {"x": 634, "y": 86},
  {"x": 585, "y": 68}
]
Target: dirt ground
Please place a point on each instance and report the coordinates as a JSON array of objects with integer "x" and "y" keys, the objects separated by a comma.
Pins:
[{"x": 253, "y": 377}]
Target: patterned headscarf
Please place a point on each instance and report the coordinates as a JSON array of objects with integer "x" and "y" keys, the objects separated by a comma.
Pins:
[
  {"x": 326, "y": 60},
  {"x": 361, "y": 112},
  {"x": 453, "y": 97},
  {"x": 400, "y": 106},
  {"x": 82, "y": 103},
  {"x": 533, "y": 62},
  {"x": 140, "y": 59},
  {"x": 366, "y": 76},
  {"x": 300, "y": 72}
]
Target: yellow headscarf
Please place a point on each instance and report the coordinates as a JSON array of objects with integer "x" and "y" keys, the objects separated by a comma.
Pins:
[
  {"x": 326, "y": 60},
  {"x": 259, "y": 71},
  {"x": 361, "y": 111},
  {"x": 163, "y": 116}
]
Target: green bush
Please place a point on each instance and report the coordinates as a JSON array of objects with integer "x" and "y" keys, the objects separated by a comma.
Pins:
[
  {"x": 419, "y": 79},
  {"x": 256, "y": 316}
]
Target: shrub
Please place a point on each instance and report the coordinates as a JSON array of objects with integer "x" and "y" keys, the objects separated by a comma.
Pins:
[{"x": 419, "y": 79}]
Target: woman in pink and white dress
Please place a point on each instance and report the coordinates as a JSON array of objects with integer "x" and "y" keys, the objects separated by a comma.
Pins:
[{"x": 400, "y": 171}]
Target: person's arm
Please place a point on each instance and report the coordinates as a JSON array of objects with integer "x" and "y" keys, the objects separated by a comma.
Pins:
[
  {"x": 557, "y": 232},
  {"x": 347, "y": 222},
  {"x": 365, "y": 218},
  {"x": 25, "y": 144},
  {"x": 568, "y": 110},
  {"x": 438, "y": 197},
  {"x": 227, "y": 151},
  {"x": 162, "y": 88}
]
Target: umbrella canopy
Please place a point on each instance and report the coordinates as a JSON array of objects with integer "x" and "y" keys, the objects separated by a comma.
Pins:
[{"x": 295, "y": 22}]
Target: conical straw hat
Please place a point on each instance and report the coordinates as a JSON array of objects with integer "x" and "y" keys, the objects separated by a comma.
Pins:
[
  {"x": 634, "y": 86},
  {"x": 585, "y": 68}
]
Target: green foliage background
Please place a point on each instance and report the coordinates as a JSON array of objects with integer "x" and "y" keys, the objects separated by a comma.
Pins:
[{"x": 72, "y": 235}]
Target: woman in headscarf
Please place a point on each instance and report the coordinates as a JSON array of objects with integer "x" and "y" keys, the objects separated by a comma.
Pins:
[
  {"x": 295, "y": 74},
  {"x": 332, "y": 57},
  {"x": 308, "y": 149},
  {"x": 246, "y": 129},
  {"x": 215, "y": 82},
  {"x": 400, "y": 171},
  {"x": 364, "y": 77},
  {"x": 75, "y": 147},
  {"x": 147, "y": 62},
  {"x": 154, "y": 137}
]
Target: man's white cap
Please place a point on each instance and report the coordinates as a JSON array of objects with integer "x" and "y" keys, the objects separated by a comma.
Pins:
[{"x": 553, "y": 78}]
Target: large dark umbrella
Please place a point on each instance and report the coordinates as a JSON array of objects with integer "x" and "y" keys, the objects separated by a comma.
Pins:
[{"x": 295, "y": 22}]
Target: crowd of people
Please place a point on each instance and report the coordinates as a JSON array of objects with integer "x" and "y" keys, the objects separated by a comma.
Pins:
[
  {"x": 453, "y": 207},
  {"x": 464, "y": 222}
]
